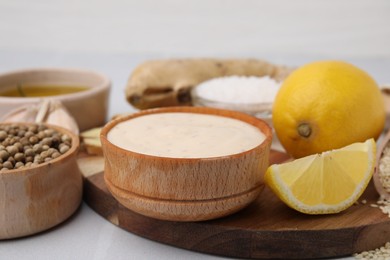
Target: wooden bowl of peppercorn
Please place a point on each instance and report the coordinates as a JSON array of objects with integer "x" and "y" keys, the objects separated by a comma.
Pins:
[{"x": 40, "y": 182}]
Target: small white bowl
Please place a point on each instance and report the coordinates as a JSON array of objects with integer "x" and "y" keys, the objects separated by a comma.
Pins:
[
  {"x": 88, "y": 107},
  {"x": 251, "y": 95},
  {"x": 259, "y": 110}
]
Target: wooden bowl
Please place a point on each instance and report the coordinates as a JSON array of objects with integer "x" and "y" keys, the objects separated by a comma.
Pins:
[
  {"x": 88, "y": 107},
  {"x": 37, "y": 198},
  {"x": 186, "y": 189}
]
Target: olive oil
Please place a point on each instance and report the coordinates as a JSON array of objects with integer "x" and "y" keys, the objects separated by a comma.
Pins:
[{"x": 41, "y": 91}]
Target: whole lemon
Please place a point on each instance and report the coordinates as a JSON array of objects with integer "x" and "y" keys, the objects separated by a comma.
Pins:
[{"x": 327, "y": 105}]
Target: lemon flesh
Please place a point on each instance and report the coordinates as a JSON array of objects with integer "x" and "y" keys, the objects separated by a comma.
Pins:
[{"x": 324, "y": 183}]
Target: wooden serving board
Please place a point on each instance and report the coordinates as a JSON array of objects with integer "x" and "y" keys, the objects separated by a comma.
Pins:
[{"x": 265, "y": 229}]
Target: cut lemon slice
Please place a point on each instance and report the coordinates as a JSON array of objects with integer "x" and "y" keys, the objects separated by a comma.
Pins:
[{"x": 324, "y": 183}]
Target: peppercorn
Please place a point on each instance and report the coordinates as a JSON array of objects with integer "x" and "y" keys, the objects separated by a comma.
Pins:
[
  {"x": 18, "y": 165},
  {"x": 33, "y": 139},
  {"x": 64, "y": 149},
  {"x": 28, "y": 134},
  {"x": 41, "y": 135},
  {"x": 49, "y": 132},
  {"x": 24, "y": 141},
  {"x": 65, "y": 138},
  {"x": 55, "y": 155},
  {"x": 29, "y": 152},
  {"x": 27, "y": 146},
  {"x": 37, "y": 148},
  {"x": 19, "y": 146},
  {"x": 8, "y": 165},
  {"x": 12, "y": 131},
  {"x": 11, "y": 160},
  {"x": 50, "y": 151},
  {"x": 19, "y": 157},
  {"x": 33, "y": 129},
  {"x": 38, "y": 159},
  {"x": 46, "y": 141},
  {"x": 3, "y": 135},
  {"x": 44, "y": 154},
  {"x": 21, "y": 133},
  {"x": 5, "y": 142},
  {"x": 4, "y": 155},
  {"x": 12, "y": 150}
]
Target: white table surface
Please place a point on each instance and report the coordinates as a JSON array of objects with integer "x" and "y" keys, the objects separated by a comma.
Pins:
[{"x": 114, "y": 38}]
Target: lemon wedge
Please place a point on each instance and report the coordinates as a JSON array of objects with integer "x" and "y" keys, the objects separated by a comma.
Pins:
[{"x": 324, "y": 183}]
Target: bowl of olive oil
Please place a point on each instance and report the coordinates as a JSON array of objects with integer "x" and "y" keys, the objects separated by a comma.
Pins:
[
  {"x": 40, "y": 90},
  {"x": 84, "y": 93}
]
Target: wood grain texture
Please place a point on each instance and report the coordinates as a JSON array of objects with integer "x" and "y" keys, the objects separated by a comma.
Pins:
[
  {"x": 186, "y": 189},
  {"x": 38, "y": 198},
  {"x": 265, "y": 229}
]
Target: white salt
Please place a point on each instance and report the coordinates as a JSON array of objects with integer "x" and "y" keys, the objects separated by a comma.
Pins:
[{"x": 239, "y": 89}]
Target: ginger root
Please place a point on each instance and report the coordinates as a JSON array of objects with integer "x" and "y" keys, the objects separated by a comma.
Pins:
[
  {"x": 90, "y": 140},
  {"x": 168, "y": 82}
]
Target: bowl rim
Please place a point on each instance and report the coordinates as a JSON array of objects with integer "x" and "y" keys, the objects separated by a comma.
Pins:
[
  {"x": 256, "y": 122},
  {"x": 103, "y": 85},
  {"x": 250, "y": 106},
  {"x": 264, "y": 109},
  {"x": 73, "y": 149}
]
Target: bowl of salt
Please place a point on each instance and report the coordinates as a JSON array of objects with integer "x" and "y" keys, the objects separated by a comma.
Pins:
[{"x": 251, "y": 95}]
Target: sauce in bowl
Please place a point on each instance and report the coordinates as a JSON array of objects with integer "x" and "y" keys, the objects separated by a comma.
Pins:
[{"x": 185, "y": 135}]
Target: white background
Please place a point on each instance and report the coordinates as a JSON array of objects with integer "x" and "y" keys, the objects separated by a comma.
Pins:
[{"x": 114, "y": 36}]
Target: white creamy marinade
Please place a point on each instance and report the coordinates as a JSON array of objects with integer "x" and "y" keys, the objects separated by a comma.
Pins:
[{"x": 185, "y": 135}]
